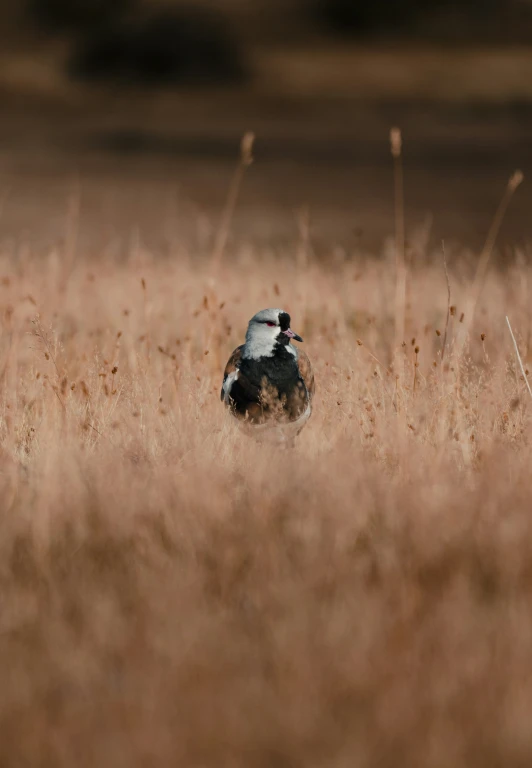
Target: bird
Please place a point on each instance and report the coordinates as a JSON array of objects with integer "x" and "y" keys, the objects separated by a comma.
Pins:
[{"x": 268, "y": 382}]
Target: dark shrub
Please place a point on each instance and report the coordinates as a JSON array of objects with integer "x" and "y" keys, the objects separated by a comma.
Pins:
[{"x": 185, "y": 46}]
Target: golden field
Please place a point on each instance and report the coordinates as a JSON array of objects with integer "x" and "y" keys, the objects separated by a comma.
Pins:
[{"x": 174, "y": 593}]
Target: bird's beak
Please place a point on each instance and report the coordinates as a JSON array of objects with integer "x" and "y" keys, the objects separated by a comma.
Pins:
[{"x": 292, "y": 335}]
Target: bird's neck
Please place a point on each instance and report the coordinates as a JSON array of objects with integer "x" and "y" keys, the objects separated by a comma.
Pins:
[{"x": 259, "y": 349}]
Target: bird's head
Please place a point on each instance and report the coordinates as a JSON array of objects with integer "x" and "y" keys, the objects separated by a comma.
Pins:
[{"x": 267, "y": 331}]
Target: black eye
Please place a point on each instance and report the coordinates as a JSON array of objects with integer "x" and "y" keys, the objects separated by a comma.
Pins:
[{"x": 272, "y": 325}]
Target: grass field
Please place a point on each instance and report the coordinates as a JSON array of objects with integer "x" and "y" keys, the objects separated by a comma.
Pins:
[{"x": 173, "y": 593}]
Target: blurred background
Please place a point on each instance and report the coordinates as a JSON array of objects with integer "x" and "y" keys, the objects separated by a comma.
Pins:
[{"x": 134, "y": 110}]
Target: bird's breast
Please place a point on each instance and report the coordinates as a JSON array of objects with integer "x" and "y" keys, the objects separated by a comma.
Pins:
[{"x": 280, "y": 371}]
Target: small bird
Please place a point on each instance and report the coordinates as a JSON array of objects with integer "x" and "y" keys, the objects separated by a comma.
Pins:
[{"x": 267, "y": 381}]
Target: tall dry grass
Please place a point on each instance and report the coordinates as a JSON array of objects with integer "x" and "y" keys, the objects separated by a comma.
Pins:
[{"x": 173, "y": 593}]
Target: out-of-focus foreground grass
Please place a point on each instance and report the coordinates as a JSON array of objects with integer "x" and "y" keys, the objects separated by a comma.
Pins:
[{"x": 173, "y": 593}]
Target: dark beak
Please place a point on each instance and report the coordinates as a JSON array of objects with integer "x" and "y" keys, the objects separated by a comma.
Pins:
[{"x": 292, "y": 335}]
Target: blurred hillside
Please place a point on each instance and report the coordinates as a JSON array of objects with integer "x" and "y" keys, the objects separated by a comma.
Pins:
[
  {"x": 161, "y": 42},
  {"x": 497, "y": 21}
]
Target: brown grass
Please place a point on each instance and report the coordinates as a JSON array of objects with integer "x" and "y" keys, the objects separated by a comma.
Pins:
[{"x": 174, "y": 594}]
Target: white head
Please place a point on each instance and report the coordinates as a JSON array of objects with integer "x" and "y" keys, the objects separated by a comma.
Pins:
[{"x": 268, "y": 330}]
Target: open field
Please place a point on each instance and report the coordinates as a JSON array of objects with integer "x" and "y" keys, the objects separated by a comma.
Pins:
[{"x": 174, "y": 594}]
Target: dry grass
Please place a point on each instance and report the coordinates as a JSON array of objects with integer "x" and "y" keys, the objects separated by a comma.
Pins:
[{"x": 174, "y": 594}]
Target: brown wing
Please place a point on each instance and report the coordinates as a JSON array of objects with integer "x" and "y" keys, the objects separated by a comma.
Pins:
[
  {"x": 231, "y": 366},
  {"x": 305, "y": 369}
]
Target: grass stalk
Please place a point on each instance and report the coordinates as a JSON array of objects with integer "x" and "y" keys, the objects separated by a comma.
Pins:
[
  {"x": 480, "y": 275},
  {"x": 448, "y": 302},
  {"x": 400, "y": 266},
  {"x": 244, "y": 161},
  {"x": 519, "y": 357}
]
